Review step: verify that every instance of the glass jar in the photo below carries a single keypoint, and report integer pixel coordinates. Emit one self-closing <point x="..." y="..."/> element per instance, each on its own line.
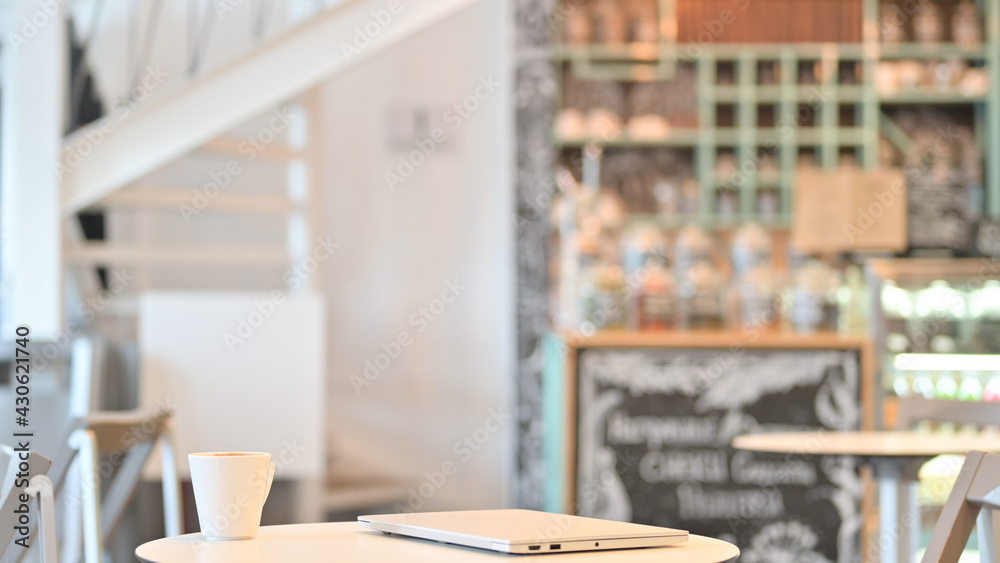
<point x="991" y="392"/>
<point x="940" y="311"/>
<point x="693" y="246"/>
<point x="702" y="299"/>
<point x="971" y="388"/>
<point x="751" y="247"/>
<point x="654" y="300"/>
<point x="985" y="315"/>
<point x="946" y="386"/>
<point x="757" y="291"/>
<point x="644" y="245"/>
<point x="853" y="299"/>
<point x="897" y="310"/>
<point x="603" y="298"/>
<point x="900" y="383"/>
<point x="814" y="298"/>
<point x="690" y="192"/>
<point x="923" y="385"/>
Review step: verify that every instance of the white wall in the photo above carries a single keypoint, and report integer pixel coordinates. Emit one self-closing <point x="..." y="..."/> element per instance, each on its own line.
<point x="451" y="219"/>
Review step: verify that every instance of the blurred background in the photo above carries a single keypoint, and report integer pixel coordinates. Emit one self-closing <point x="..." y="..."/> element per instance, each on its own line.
<point x="378" y="238"/>
<point x="170" y="165"/>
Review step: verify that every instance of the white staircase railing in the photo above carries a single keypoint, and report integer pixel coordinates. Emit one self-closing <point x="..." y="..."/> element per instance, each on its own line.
<point x="137" y="138"/>
<point x="221" y="99"/>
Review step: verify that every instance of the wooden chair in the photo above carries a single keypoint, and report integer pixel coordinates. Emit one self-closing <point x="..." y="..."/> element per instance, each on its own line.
<point x="901" y="496"/>
<point x="975" y="496"/>
<point x="128" y="437"/>
<point x="39" y="488"/>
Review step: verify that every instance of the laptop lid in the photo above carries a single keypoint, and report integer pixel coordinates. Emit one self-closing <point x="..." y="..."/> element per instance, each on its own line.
<point x="523" y="531"/>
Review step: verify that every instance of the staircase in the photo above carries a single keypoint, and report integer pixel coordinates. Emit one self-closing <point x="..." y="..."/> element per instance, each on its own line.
<point x="112" y="164"/>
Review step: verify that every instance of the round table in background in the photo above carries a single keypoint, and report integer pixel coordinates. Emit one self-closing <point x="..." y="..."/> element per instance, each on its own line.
<point x="347" y="542"/>
<point x="895" y="458"/>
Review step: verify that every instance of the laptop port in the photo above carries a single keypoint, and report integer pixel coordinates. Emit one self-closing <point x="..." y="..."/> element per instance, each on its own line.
<point x="556" y="546"/>
<point x="534" y="547"/>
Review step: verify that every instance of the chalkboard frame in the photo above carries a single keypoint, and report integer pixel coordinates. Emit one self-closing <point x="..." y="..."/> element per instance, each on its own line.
<point x="749" y="339"/>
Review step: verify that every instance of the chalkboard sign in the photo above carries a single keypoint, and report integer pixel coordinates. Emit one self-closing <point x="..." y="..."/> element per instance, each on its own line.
<point x="653" y="433"/>
<point x="938" y="215"/>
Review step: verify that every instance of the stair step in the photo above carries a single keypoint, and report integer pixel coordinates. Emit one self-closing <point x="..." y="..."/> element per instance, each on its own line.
<point x="244" y="149"/>
<point x="97" y="163"/>
<point x="157" y="254"/>
<point x="174" y="198"/>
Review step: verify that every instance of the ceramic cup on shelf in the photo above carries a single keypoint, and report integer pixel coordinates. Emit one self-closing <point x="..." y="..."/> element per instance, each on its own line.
<point x="927" y="24"/>
<point x="230" y="489"/>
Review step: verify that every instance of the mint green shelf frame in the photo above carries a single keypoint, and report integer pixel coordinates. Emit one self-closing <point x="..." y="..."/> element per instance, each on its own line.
<point x="991" y="113"/>
<point x="707" y="147"/>
<point x="746" y="123"/>
<point x="790" y="99"/>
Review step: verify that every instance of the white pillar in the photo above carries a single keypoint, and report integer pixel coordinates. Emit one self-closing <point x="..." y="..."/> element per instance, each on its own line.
<point x="31" y="131"/>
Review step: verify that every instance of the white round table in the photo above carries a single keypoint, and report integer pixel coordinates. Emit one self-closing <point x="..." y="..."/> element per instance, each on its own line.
<point x="895" y="458"/>
<point x="874" y="444"/>
<point x="347" y="542"/>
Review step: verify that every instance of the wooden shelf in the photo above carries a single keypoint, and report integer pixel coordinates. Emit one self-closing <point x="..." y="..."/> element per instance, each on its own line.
<point x="713" y="339"/>
<point x="677" y="138"/>
<point x="905" y="271"/>
<point x="928" y="96"/>
<point x="723" y="137"/>
<point x="804" y="93"/>
<point x="781" y="224"/>
<point x="646" y="52"/>
<point x="930" y="51"/>
<point x="815" y="129"/>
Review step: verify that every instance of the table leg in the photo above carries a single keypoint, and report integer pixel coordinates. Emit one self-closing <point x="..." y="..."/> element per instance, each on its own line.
<point x="899" y="513"/>
<point x="310" y="497"/>
<point x="888" y="507"/>
<point x="909" y="519"/>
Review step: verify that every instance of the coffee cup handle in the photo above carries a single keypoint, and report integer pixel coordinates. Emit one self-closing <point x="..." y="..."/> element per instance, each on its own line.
<point x="270" y="479"/>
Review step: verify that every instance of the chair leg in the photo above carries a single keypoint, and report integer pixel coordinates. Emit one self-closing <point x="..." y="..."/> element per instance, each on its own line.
<point x="71" y="532"/>
<point x="41" y="488"/>
<point x="172" y="513"/>
<point x="987" y="529"/>
<point x="85" y="442"/>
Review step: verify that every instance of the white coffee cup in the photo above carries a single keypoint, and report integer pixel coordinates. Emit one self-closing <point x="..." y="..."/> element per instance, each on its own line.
<point x="229" y="490"/>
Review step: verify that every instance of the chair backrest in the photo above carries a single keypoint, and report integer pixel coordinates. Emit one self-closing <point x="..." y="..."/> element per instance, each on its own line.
<point x="132" y="434"/>
<point x="115" y="431"/>
<point x="15" y="479"/>
<point x="975" y="495"/>
<point x="914" y="409"/>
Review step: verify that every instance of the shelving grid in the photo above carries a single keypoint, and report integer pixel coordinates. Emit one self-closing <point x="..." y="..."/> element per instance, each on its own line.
<point x="791" y="101"/>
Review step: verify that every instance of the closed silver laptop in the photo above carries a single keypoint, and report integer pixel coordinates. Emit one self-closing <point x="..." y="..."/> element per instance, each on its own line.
<point x="523" y="531"/>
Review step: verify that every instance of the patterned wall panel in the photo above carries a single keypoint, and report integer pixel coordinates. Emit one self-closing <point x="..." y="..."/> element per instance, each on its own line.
<point x="535" y="90"/>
